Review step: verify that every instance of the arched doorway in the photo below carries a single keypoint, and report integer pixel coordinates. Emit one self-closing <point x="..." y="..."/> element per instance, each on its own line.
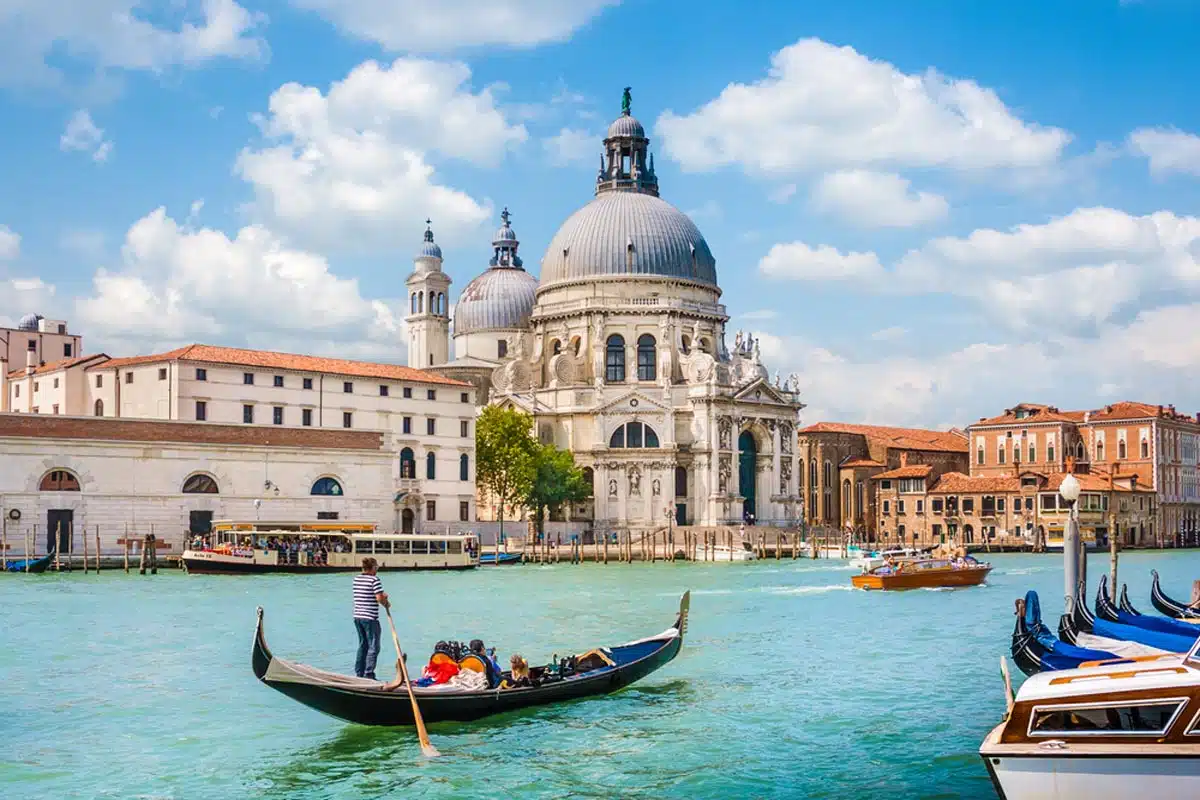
<point x="406" y="521"/>
<point x="747" y="460"/>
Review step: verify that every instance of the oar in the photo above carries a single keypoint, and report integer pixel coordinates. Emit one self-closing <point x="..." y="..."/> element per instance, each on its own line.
<point x="427" y="748"/>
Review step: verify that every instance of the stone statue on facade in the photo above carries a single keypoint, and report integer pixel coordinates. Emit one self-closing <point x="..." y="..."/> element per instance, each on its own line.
<point x="737" y="342"/>
<point x="612" y="487"/>
<point x="635" y="481"/>
<point x="778" y="385"/>
<point x="656" y="488"/>
<point x="724" y="471"/>
<point x="785" y="475"/>
<point x="785" y="437"/>
<point x="793" y="382"/>
<point x="626" y="100"/>
<point x="724" y="429"/>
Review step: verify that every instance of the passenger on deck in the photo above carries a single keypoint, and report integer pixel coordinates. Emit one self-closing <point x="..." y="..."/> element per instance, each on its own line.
<point x="520" y="674"/>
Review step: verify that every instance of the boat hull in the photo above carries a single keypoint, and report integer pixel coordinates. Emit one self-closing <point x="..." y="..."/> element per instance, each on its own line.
<point x="212" y="563"/>
<point x="931" y="579"/>
<point x="1070" y="776"/>
<point x="723" y="553"/>
<point x="32" y="565"/>
<point x="492" y="559"/>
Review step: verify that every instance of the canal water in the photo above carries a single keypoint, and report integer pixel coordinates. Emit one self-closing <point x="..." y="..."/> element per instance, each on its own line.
<point x="790" y="684"/>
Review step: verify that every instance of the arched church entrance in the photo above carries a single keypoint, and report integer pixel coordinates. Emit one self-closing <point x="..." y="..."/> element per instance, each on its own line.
<point x="406" y="520"/>
<point x="747" y="465"/>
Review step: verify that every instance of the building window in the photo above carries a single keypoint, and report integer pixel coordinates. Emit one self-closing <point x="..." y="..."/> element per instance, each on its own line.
<point x="464" y="428"/>
<point x="900" y="531"/>
<point x="899" y="506"/>
<point x="681" y="481"/>
<point x="59" y="480"/>
<point x="1121" y="449"/>
<point x="129" y="377"/>
<point x="430" y="510"/>
<point x="201" y="374"/>
<point x="54" y="408"/>
<point x="202" y="411"/>
<point x="347" y="387"/>
<point x="646" y="358"/>
<point x="1001" y="454"/>
<point x="99" y="381"/>
<point x="406" y="425"/>
<point x="347" y="419"/>
<point x="1100" y="450"/>
<point x="968" y="505"/>
<point x="1032" y="452"/>
<point x="248" y="414"/>
<point x="408" y="392"/>
<point x="327" y="487"/>
<point x="920" y="506"/>
<point x="633" y="434"/>
<point x="278" y="381"/>
<point x="464" y="511"/>
<point x="35" y="385"/>
<point x="464" y="468"/>
<point x="327" y="514"/>
<point x="502" y="348"/>
<point x="1145" y="448"/>
<point x="200" y="484"/>
<point x="614" y="371"/>
<point x="936" y="504"/>
<point x="67" y="350"/>
<point x="465" y="397"/>
<point x="277" y="415"/>
<point x="431" y="465"/>
<point x="383" y="390"/>
<point x="431" y="426"/>
<point x="887" y="507"/>
<point x="999" y="503"/>
<point x="248" y="378"/>
<point x="98" y="408"/>
<point x="306" y="417"/>
<point x="162" y="373"/>
<point x="408" y="463"/>
<point x="431" y="394"/>
<point x="979" y="458"/>
<point x="307" y="384"/>
<point x="882" y="484"/>
<point x="1050" y="452"/>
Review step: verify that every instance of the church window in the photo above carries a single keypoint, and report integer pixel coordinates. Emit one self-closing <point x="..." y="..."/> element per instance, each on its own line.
<point x="414" y="303"/>
<point x="408" y="463"/>
<point x="681" y="481"/>
<point x="502" y="348"/>
<point x="646" y="356"/>
<point x="634" y="434"/>
<point x="556" y="347"/>
<point x="441" y="302"/>
<point x="431" y="465"/>
<point x="615" y="359"/>
<point x="327" y="487"/>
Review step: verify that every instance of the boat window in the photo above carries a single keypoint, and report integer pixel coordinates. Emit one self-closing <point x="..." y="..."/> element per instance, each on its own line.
<point x="362" y="546"/>
<point x="401" y="548"/>
<point x="420" y="547"/>
<point x="437" y="547"/>
<point x="1143" y="719"/>
<point x="454" y="548"/>
<point x="383" y="547"/>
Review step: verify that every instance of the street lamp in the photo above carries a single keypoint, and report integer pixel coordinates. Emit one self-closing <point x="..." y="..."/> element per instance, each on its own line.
<point x="1069" y="489"/>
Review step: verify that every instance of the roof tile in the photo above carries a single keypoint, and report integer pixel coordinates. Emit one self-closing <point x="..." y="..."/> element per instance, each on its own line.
<point x="910" y="471"/>
<point x="55" y="366"/>
<point x="899" y="438"/>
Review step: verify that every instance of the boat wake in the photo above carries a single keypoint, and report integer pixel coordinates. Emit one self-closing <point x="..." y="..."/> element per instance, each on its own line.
<point x="837" y="587"/>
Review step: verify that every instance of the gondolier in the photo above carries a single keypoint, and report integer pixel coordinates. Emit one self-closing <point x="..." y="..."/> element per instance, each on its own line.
<point x="368" y="597"/>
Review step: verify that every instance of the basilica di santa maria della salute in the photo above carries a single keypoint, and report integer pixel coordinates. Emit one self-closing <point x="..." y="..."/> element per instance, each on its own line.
<point x="618" y="351"/>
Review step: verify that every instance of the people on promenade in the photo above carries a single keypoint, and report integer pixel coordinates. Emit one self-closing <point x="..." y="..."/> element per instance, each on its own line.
<point x="368" y="597"/>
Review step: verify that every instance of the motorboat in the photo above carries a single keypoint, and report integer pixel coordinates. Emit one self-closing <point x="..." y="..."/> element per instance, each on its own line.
<point x="924" y="573"/>
<point x="739" y="550"/>
<point x="877" y="558"/>
<point x="1107" y="730"/>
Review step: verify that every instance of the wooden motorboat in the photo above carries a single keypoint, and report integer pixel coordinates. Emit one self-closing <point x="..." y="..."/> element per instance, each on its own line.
<point x="366" y="702"/>
<point x="34" y="565"/>
<point x="927" y="573"/>
<point x="1107" y="730"/>
<point x="1167" y="606"/>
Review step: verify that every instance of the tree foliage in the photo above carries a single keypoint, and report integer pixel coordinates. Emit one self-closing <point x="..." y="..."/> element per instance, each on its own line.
<point x="505" y="455"/>
<point x="556" y="481"/>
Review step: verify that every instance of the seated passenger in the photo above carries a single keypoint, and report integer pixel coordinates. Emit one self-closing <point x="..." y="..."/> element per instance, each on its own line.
<point x="520" y="677"/>
<point x="441" y="667"/>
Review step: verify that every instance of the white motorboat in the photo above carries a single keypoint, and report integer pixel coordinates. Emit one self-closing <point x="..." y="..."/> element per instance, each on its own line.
<point x="1128" y="727"/>
<point x="870" y="560"/>
<point x="739" y="551"/>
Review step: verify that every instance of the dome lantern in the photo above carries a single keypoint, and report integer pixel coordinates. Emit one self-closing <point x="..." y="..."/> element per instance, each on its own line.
<point x="624" y="165"/>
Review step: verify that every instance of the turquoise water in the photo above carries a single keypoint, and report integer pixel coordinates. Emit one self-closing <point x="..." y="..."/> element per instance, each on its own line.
<point x="789" y="684"/>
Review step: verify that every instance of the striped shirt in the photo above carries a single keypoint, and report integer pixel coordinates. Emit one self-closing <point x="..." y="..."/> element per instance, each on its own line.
<point x="365" y="588"/>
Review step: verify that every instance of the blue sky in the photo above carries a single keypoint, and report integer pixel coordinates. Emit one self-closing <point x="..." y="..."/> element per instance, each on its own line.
<point x="929" y="211"/>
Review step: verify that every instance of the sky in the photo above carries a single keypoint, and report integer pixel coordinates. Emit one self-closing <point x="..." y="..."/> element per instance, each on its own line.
<point x="928" y="211"/>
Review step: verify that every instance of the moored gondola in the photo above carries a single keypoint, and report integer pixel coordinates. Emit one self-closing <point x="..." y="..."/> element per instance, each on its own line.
<point x="1078" y="621"/>
<point x="1174" y="627"/>
<point x="1105" y="608"/>
<point x="366" y="702"/>
<point x="1167" y="606"/>
<point x="1125" y="605"/>
<point x="34" y="565"/>
<point x="1035" y="648"/>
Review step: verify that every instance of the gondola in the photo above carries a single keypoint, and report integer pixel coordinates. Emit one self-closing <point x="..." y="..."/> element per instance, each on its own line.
<point x="1106" y="609"/>
<point x="1124" y="603"/>
<point x="35" y="564"/>
<point x="499" y="559"/>
<point x="1035" y="649"/>
<point x="1167" y="606"/>
<point x="1078" y="621"/>
<point x="365" y="702"/>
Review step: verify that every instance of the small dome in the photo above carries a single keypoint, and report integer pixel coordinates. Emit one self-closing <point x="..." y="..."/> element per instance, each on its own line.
<point x="505" y="234"/>
<point x="499" y="299"/>
<point x="29" y="322"/>
<point x="429" y="248"/>
<point x="626" y="125"/>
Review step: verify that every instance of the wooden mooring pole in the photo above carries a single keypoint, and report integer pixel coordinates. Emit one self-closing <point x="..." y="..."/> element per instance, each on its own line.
<point x="126" y="540"/>
<point x="97" y="549"/>
<point x="57" y="546"/>
<point x="85" y="551"/>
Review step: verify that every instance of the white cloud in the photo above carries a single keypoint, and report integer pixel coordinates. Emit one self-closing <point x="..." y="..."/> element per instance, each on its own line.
<point x="353" y="167"/>
<point x="414" y="26"/>
<point x="120" y="34"/>
<point x="876" y="200"/>
<point x="83" y="135"/>
<point x="176" y="284"/>
<point x="20" y="296"/>
<point x="823" y="107"/>
<point x="889" y="334"/>
<point x="1168" y="150"/>
<point x="86" y="244"/>
<point x="572" y="146"/>
<point x="782" y="194"/>
<point x="798" y="261"/>
<point x="10" y="243"/>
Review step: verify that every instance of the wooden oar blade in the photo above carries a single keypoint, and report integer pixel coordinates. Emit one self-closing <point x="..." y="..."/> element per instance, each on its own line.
<point x="429" y="751"/>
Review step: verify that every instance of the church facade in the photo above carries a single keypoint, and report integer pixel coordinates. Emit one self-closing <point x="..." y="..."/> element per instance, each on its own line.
<point x="619" y="352"/>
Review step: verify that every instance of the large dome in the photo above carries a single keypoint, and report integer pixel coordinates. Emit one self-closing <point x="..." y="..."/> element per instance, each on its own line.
<point x="628" y="233"/>
<point x="499" y="299"/>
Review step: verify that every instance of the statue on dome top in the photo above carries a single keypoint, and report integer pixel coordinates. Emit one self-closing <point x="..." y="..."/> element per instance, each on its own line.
<point x="626" y="101"/>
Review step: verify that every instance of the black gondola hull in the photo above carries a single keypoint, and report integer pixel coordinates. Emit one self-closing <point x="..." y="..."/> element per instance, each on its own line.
<point x="1167" y="606"/>
<point x="373" y="706"/>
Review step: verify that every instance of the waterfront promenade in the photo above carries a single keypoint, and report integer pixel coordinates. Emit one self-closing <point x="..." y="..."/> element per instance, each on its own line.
<point x="790" y="684"/>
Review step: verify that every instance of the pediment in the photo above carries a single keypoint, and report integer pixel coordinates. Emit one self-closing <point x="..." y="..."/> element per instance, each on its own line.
<point x="761" y="391"/>
<point x="633" y="402"/>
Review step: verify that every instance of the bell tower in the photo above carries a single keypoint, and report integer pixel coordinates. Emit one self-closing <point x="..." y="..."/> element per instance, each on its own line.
<point x="428" y="317"/>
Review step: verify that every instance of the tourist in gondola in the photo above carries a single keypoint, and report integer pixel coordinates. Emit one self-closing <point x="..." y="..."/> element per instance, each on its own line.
<point x="368" y="597"/>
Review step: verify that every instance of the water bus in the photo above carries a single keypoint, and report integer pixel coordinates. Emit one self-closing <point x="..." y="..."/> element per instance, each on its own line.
<point x="302" y="547"/>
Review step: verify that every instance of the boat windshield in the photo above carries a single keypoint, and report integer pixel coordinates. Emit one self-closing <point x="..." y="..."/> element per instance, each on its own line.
<point x="1192" y="659"/>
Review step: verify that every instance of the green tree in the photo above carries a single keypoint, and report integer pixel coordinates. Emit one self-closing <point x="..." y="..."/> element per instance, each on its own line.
<point x="556" y="481"/>
<point x="505" y="456"/>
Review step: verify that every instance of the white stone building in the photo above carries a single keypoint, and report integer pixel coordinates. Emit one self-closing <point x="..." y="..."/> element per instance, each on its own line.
<point x="35" y="341"/>
<point x="619" y="352"/>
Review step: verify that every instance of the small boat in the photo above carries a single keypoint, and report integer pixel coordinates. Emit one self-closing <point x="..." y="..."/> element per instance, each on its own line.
<point x="1167" y="606"/>
<point x="34" y="564"/>
<point x="1036" y="649"/>
<point x="1106" y="610"/>
<point x="877" y="558"/>
<point x="500" y="559"/>
<point x="1077" y="627"/>
<point x="1107" y="730"/>
<point x="1078" y="620"/>
<point x="927" y="573"/>
<point x="366" y="702"/>
<point x="740" y="550"/>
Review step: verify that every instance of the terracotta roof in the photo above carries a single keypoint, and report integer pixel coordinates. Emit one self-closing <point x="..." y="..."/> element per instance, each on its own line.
<point x="1090" y="482"/>
<point x="1039" y="413"/>
<point x="54" y="366"/>
<point x="267" y="359"/>
<point x="899" y="438"/>
<point x="861" y="462"/>
<point x="910" y="471"/>
<point x="1128" y="409"/>
<point x="958" y="483"/>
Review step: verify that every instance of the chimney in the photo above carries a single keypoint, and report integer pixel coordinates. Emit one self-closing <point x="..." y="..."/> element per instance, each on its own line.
<point x="1160" y="411"/>
<point x="30" y="361"/>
